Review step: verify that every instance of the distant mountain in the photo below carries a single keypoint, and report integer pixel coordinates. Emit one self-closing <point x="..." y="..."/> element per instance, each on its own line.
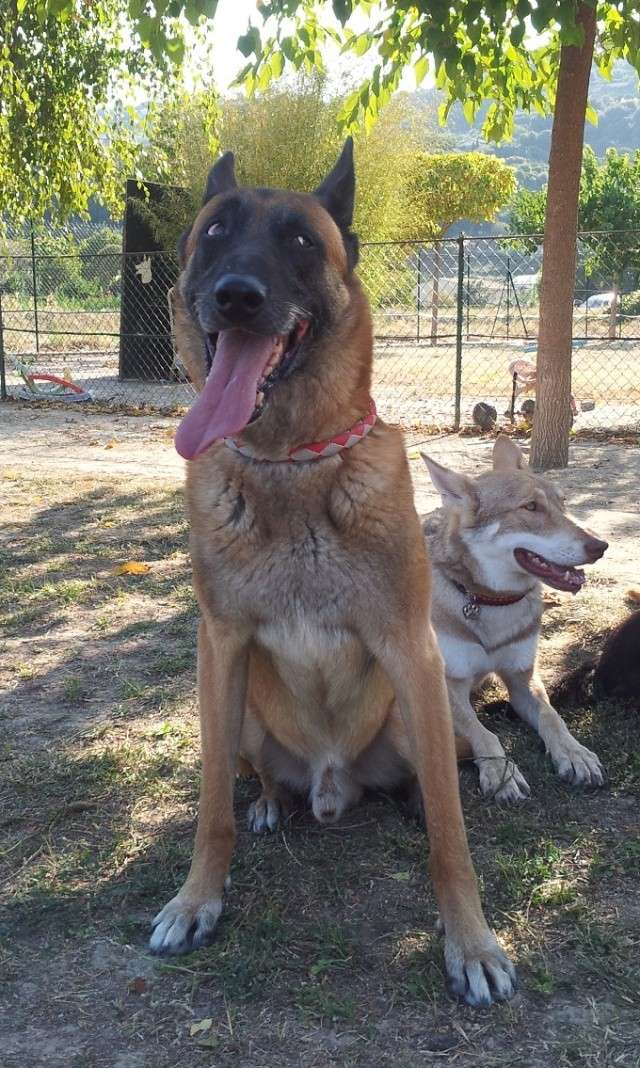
<point x="617" y="103"/>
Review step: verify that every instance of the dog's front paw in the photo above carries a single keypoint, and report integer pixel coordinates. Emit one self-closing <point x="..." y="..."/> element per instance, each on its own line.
<point x="576" y="764"/>
<point x="502" y="780"/>
<point x="183" y="925"/>
<point x="479" y="973"/>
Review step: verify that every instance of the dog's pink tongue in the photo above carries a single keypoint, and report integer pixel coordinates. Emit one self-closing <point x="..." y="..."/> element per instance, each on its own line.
<point x="227" y="401"/>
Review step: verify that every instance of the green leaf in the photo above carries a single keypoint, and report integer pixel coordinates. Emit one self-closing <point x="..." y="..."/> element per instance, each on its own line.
<point x="516" y="36"/>
<point x="193" y="11"/>
<point x="288" y="48"/>
<point x="421" y="68"/>
<point x="249" y="43"/>
<point x="591" y="115"/>
<point x="342" y="10"/>
<point x="469" y="110"/>
<point x="361" y="44"/>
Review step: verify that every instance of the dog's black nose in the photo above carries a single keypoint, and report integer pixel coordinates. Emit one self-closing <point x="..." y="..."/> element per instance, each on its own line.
<point x="595" y="548"/>
<point x="239" y="296"/>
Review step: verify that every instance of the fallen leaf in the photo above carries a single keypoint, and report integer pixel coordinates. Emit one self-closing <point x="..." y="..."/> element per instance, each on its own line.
<point x="110" y="445"/>
<point x="200" y="1026"/>
<point x="138" y="985"/>
<point x="131" y="567"/>
<point x="208" y="1042"/>
<point x="401" y="876"/>
<point x="12" y="475"/>
<point x="414" y="454"/>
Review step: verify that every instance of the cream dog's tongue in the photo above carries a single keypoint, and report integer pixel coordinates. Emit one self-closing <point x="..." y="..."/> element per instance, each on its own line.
<point x="228" y="399"/>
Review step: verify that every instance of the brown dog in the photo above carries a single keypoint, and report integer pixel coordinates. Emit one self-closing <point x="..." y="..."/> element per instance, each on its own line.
<point x="311" y="576"/>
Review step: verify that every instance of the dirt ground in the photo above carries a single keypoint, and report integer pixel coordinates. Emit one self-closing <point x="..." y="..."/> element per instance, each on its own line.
<point x="327" y="953"/>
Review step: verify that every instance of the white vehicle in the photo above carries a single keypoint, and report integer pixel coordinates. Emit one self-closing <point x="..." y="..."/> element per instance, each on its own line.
<point x="597" y="302"/>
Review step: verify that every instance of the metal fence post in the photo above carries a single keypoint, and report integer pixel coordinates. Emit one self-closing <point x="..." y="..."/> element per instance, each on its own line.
<point x="459" y="326"/>
<point x="508" y="293"/>
<point x="468" y="302"/>
<point x="419" y="301"/>
<point x="3" y="379"/>
<point x="35" y="288"/>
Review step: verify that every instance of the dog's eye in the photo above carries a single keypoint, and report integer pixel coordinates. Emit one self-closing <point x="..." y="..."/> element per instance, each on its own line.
<point x="531" y="506"/>
<point x="303" y="241"/>
<point x="216" y="229"/>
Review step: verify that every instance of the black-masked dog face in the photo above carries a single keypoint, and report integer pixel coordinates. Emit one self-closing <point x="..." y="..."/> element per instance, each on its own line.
<point x="266" y="275"/>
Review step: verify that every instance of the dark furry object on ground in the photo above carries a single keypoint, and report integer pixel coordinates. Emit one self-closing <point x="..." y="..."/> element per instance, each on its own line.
<point x="616" y="673"/>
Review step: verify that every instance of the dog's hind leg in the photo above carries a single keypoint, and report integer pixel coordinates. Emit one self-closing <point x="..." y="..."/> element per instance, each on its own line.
<point x="271" y="809"/>
<point x="500" y="778"/>
<point x="190" y="918"/>
<point x="275" y="802"/>
<point x="574" y="762"/>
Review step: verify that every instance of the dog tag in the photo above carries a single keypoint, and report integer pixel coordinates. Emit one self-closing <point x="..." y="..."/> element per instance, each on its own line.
<point x="471" y="609"/>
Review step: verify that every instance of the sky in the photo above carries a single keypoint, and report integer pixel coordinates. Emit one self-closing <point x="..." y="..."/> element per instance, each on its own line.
<point x="231" y="20"/>
<point x="232" y="17"/>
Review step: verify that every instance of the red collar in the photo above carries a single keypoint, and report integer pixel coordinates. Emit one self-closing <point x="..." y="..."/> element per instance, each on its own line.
<point x="474" y="600"/>
<point x="315" y="450"/>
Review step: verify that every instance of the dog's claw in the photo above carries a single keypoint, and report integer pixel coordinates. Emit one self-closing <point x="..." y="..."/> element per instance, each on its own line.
<point x="481" y="977"/>
<point x="182" y="926"/>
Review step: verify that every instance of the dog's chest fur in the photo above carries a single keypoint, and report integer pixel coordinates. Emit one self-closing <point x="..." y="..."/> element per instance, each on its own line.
<point x="300" y="557"/>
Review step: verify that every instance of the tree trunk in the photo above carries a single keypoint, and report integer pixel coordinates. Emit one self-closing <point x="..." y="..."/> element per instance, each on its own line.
<point x="552" y="420"/>
<point x="613" y="310"/>
<point x="435" y="290"/>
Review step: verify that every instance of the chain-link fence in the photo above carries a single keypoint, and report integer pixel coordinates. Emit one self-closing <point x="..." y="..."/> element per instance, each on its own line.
<point x="455" y="324"/>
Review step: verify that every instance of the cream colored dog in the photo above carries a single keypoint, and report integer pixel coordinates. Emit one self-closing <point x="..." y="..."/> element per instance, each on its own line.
<point x="496" y="539"/>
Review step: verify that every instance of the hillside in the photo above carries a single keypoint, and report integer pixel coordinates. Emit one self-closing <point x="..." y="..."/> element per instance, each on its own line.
<point x="617" y="103"/>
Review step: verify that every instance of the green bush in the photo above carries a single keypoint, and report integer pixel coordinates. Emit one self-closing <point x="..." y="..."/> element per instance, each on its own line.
<point x="16" y="277"/>
<point x="630" y="303"/>
<point x="387" y="285"/>
<point x="69" y="269"/>
<point x="100" y="258"/>
<point x="57" y="265"/>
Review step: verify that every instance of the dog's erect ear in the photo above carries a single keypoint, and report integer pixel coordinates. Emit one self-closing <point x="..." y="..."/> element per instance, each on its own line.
<point x="338" y="191"/>
<point x="455" y="489"/>
<point x="222" y="177"/>
<point x="507" y="454"/>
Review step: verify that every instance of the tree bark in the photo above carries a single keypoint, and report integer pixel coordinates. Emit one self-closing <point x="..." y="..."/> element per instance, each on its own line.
<point x="552" y="420"/>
